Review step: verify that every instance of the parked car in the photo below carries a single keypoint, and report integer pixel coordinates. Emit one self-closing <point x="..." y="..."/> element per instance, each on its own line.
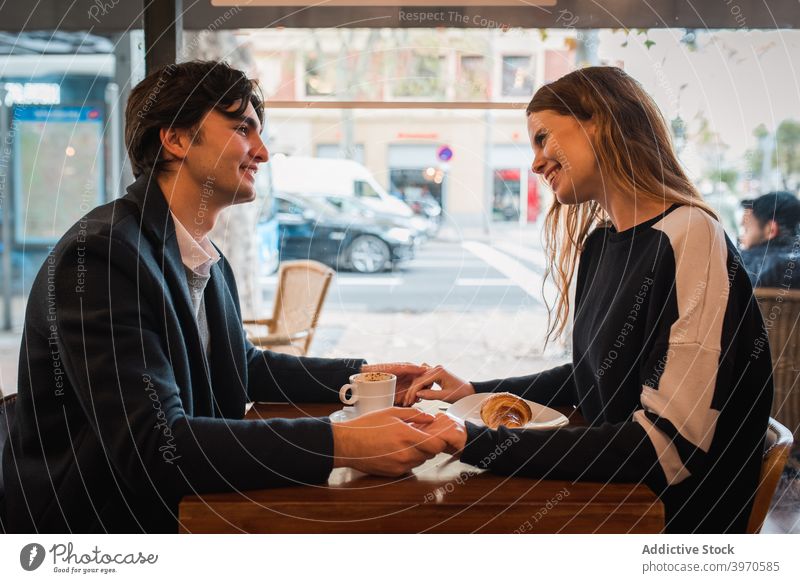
<point x="312" y="228"/>
<point x="419" y="226"/>
<point x="424" y="206"/>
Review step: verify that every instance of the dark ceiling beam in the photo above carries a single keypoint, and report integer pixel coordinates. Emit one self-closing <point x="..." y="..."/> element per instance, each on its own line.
<point x="163" y="29"/>
<point x="105" y="17"/>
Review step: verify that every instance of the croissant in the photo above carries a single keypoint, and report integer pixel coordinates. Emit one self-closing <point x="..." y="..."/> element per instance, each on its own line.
<point x="505" y="409"/>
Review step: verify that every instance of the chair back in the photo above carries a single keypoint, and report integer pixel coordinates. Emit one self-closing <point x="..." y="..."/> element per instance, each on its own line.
<point x="302" y="288"/>
<point x="780" y="309"/>
<point x="7" y="407"/>
<point x="777" y="445"/>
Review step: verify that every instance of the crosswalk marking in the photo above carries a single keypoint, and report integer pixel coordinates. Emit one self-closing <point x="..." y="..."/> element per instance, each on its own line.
<point x="526" y="253"/>
<point x="485" y="282"/>
<point x="437" y="263"/>
<point x="529" y="281"/>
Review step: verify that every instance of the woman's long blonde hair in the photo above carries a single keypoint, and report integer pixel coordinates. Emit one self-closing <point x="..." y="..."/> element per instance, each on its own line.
<point x="633" y="149"/>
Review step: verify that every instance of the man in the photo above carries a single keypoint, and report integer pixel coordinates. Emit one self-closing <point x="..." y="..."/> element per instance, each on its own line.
<point x="134" y="367"/>
<point x="770" y="240"/>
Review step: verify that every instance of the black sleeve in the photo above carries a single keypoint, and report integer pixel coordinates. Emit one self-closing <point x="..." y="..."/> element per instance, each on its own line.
<point x="618" y="452"/>
<point x="277" y="377"/>
<point x="554" y="387"/>
<point x="119" y="363"/>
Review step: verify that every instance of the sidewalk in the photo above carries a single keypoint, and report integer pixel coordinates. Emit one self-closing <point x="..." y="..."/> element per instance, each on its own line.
<point x="482" y="346"/>
<point x="529" y="234"/>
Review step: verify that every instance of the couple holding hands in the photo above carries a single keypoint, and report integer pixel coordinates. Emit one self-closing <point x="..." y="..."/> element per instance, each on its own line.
<point x="663" y="332"/>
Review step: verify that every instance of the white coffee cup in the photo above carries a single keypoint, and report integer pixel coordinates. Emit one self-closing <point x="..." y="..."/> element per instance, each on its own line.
<point x="370" y="391"/>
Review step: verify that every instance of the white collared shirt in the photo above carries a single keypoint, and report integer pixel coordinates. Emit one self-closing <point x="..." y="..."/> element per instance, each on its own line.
<point x="198" y="257"/>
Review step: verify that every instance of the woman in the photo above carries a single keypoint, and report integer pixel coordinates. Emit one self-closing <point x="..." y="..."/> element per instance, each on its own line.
<point x="670" y="365"/>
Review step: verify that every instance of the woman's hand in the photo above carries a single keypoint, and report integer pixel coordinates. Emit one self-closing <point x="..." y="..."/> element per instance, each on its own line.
<point x="452" y="431"/>
<point x="452" y="387"/>
<point x="406" y="373"/>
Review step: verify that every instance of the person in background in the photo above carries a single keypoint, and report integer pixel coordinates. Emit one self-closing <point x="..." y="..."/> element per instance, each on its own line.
<point x="770" y="240"/>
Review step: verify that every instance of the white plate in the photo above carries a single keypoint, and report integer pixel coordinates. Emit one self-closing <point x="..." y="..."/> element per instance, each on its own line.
<point x="343" y="414"/>
<point x="469" y="409"/>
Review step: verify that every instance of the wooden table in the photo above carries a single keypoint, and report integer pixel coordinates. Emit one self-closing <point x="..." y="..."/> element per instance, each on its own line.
<point x="442" y="495"/>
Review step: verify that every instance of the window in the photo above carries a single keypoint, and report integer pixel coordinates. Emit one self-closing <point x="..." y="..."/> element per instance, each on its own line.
<point x="364" y="189"/>
<point x="505" y="197"/>
<point x="287" y="207"/>
<point x="472" y="78"/>
<point x="518" y="76"/>
<point x="419" y="75"/>
<point x="320" y="75"/>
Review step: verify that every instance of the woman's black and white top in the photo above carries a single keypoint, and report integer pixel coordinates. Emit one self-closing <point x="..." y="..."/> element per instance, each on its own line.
<point x="671" y="369"/>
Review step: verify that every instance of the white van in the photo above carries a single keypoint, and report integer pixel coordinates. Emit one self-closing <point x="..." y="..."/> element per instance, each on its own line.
<point x="305" y="175"/>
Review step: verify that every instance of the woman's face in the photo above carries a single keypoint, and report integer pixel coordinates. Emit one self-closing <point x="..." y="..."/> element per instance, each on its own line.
<point x="564" y="156"/>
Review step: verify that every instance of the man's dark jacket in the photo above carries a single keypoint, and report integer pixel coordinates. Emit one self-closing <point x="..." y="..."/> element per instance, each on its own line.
<point x="120" y="413"/>
<point x="774" y="263"/>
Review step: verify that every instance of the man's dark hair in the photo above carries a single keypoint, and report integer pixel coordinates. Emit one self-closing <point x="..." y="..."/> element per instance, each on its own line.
<point x="780" y="206"/>
<point x="178" y="96"/>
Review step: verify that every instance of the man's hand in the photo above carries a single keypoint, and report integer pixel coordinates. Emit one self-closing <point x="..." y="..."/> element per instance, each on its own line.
<point x="384" y="442"/>
<point x="405" y="372"/>
<point x="453" y="388"/>
<point x="452" y="431"/>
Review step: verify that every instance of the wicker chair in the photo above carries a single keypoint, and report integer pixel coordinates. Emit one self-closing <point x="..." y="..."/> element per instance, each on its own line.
<point x="302" y="287"/>
<point x="776" y="451"/>
<point x="781" y="311"/>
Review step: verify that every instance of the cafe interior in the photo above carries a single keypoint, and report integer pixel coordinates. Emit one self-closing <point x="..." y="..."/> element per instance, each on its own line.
<point x="443" y="494"/>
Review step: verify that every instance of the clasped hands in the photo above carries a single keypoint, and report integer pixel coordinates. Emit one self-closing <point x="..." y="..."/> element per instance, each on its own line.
<point x="392" y="441"/>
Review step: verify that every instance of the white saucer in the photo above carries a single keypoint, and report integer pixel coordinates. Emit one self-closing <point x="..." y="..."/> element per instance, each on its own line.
<point x="344" y="414"/>
<point x="469" y="409"/>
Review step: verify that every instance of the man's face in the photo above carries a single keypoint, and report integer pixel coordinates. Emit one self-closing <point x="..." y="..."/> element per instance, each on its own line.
<point x="753" y="232"/>
<point x="224" y="157"/>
